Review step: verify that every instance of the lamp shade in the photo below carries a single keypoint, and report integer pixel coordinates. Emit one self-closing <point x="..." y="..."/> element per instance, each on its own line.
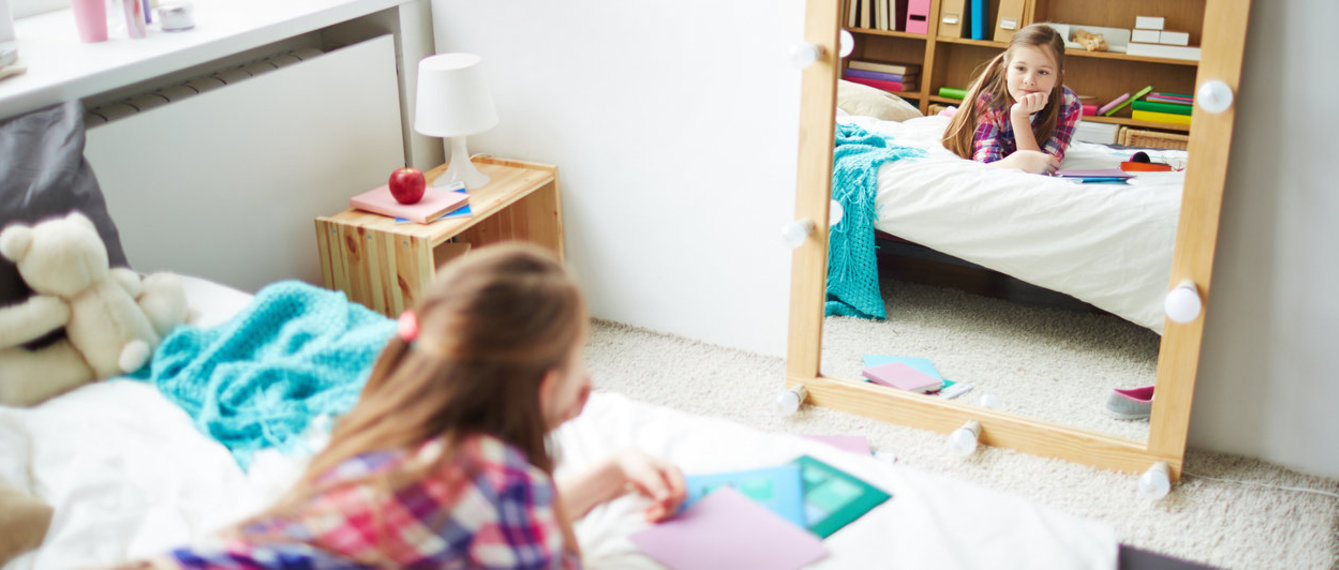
<point x="453" y="100"/>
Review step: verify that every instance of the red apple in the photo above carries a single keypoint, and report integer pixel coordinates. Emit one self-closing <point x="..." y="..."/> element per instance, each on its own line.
<point x="407" y="185"/>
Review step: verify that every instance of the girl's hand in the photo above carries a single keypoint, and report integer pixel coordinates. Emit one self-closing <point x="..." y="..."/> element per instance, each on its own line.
<point x="654" y="479"/>
<point x="1029" y="104"/>
<point x="1033" y="161"/>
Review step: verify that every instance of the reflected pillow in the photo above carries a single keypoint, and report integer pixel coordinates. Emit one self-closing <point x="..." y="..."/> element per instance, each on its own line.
<point x="858" y="99"/>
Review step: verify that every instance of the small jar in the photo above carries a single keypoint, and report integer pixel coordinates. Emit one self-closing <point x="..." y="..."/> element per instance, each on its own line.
<point x="176" y="16"/>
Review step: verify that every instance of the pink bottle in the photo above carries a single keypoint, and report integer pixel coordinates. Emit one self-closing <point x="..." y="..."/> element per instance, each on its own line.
<point x="90" y="17"/>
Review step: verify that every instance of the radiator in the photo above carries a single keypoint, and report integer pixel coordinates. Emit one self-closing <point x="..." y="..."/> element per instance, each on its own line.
<point x="221" y="176"/>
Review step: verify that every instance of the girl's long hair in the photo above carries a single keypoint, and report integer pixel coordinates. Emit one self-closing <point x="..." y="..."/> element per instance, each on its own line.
<point x="993" y="80"/>
<point x="493" y="324"/>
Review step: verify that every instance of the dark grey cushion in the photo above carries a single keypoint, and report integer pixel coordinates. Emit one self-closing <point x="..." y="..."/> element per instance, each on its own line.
<point x="43" y="174"/>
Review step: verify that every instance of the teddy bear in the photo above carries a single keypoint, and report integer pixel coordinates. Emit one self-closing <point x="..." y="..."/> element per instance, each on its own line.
<point x="113" y="319"/>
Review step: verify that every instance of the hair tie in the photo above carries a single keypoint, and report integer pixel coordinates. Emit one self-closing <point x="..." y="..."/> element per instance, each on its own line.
<point x="408" y="326"/>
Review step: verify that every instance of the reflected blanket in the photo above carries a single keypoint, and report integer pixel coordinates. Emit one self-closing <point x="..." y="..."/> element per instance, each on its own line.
<point x="853" y="273"/>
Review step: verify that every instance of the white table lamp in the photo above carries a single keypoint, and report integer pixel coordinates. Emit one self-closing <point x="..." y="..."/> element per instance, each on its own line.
<point x="453" y="102"/>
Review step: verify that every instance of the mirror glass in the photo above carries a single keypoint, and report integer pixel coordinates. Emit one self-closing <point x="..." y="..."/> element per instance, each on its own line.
<point x="1034" y="295"/>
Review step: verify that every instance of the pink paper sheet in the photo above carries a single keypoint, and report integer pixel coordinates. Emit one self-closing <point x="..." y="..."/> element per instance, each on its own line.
<point x="727" y="530"/>
<point x="852" y="443"/>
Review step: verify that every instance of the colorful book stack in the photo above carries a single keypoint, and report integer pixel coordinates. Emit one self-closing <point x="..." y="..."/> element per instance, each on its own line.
<point x="1120" y="102"/>
<point x="952" y="93"/>
<point x="1089" y="104"/>
<point x="889" y="76"/>
<point x="1167" y="108"/>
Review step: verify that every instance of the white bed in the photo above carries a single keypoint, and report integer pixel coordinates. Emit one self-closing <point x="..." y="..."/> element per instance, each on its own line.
<point x="129" y="476"/>
<point x="1107" y="244"/>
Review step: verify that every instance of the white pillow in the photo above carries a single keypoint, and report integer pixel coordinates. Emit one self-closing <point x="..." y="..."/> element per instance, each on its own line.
<point x="858" y="99"/>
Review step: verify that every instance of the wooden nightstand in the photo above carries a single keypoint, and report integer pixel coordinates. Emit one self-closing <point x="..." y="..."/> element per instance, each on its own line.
<point x="386" y="265"/>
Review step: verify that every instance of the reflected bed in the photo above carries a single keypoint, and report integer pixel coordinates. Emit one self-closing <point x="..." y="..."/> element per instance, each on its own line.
<point x="1109" y="245"/>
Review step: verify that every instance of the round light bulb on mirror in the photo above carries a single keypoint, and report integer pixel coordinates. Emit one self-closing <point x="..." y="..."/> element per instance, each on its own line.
<point x="805" y="54"/>
<point x="787" y="402"/>
<point x="846" y="43"/>
<point x="1183" y="303"/>
<point x="989" y="401"/>
<point x="835" y="213"/>
<point x="1214" y="96"/>
<point x="963" y="441"/>
<point x="1155" y="483"/>
<point x="794" y="233"/>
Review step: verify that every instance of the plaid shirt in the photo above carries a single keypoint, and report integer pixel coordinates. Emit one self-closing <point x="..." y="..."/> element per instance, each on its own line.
<point x="488" y="509"/>
<point x="995" y="133"/>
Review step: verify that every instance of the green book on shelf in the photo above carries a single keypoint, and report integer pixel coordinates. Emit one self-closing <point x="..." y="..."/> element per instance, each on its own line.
<point x="952" y="93"/>
<point x="1137" y="95"/>
<point x="834" y="498"/>
<point x="1157" y="107"/>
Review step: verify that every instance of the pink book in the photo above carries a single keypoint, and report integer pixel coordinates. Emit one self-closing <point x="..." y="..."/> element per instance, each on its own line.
<point x="434" y="203"/>
<point x="899" y="375"/>
<point x="881" y="84"/>
<point x="1090" y="109"/>
<point x="1112" y="105"/>
<point x="727" y="530"/>
<point x="857" y="444"/>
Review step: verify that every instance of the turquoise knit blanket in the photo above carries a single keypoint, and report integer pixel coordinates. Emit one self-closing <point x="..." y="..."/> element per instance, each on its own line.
<point x="853" y="272"/>
<point x="255" y="381"/>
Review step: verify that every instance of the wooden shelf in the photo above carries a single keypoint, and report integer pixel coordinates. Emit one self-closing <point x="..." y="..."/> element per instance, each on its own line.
<point x="1141" y="124"/>
<point x="1090" y="118"/>
<point x="1127" y="57"/>
<point x="917" y="95"/>
<point x="887" y="33"/>
<point x="970" y="42"/>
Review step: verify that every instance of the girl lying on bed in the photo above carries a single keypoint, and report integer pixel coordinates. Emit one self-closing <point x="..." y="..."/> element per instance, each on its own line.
<point x="1023" y="116"/>
<point x="443" y="462"/>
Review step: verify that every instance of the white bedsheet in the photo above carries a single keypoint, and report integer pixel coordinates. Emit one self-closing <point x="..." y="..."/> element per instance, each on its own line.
<point x="1107" y="244"/>
<point x="129" y="476"/>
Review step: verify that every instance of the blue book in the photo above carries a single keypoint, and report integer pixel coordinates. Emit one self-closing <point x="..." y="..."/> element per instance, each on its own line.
<point x="873" y="75"/>
<point x="920" y="364"/>
<point x="978" y="19"/>
<point x="779" y="489"/>
<point x="834" y="498"/>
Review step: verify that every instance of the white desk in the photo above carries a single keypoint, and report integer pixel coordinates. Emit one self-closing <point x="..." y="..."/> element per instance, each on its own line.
<point x="244" y="167"/>
<point x="61" y="68"/>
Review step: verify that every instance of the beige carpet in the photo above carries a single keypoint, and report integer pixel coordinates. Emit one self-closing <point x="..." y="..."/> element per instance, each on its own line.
<point x="1223" y="524"/>
<point x="1044" y="363"/>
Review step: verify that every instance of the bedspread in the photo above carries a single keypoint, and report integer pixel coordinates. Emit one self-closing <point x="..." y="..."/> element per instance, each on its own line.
<point x="1109" y="245"/>
<point x="256" y="380"/>
<point x="129" y="477"/>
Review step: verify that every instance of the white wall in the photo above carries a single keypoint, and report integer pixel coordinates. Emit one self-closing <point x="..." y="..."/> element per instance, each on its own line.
<point x="674" y="125"/>
<point x="655" y="113"/>
<point x="1269" y="374"/>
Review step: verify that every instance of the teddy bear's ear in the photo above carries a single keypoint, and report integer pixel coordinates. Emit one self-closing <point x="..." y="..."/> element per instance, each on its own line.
<point x="77" y="216"/>
<point x="14" y="242"/>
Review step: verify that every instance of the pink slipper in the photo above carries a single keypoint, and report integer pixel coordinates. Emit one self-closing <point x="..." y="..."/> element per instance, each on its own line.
<point x="1130" y="403"/>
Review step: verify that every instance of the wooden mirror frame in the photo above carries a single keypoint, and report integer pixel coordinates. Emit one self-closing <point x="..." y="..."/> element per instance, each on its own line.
<point x="1223" y="44"/>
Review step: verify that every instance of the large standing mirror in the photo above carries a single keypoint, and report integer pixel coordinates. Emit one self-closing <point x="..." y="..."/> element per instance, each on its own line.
<point x="1041" y="294"/>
